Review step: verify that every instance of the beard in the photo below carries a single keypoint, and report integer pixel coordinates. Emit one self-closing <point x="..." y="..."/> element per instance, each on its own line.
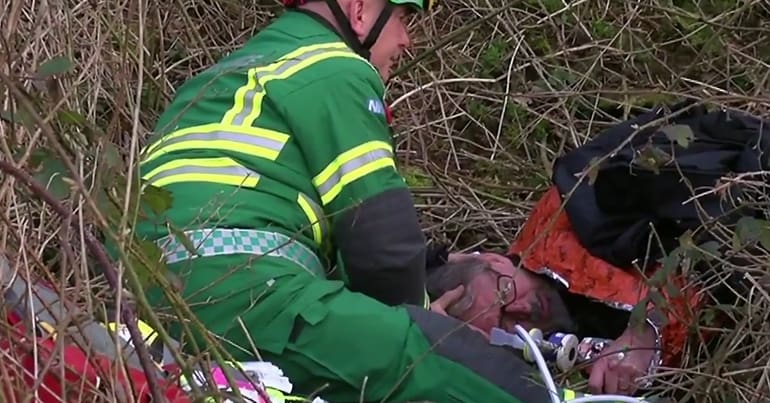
<point x="558" y="319"/>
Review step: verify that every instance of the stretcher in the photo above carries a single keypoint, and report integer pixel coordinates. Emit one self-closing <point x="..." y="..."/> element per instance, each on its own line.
<point x="61" y="354"/>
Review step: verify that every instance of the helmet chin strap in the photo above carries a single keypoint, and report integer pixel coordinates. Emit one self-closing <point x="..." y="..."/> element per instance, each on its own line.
<point x="362" y="48"/>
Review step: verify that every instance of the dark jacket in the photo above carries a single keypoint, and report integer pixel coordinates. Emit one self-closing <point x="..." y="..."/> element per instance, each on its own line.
<point x="613" y="217"/>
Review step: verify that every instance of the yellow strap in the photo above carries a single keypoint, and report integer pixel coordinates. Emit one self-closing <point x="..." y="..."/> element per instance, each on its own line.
<point x="48" y="328"/>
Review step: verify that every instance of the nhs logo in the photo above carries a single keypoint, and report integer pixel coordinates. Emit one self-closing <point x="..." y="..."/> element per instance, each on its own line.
<point x="376" y="106"/>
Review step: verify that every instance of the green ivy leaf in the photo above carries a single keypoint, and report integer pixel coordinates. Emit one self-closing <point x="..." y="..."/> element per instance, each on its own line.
<point x="20" y="117"/>
<point x="638" y="315"/>
<point x="682" y="134"/>
<point x="749" y="230"/>
<point x="51" y="173"/>
<point x="660" y="277"/>
<point x="764" y="239"/>
<point x="673" y="290"/>
<point x="181" y="237"/>
<point x="711" y="249"/>
<point x="72" y="118"/>
<point x="652" y="158"/>
<point x="110" y="156"/>
<point x="148" y="262"/>
<point x="685" y="241"/>
<point x="107" y="207"/>
<point x="671" y="262"/>
<point x="157" y="199"/>
<point x="57" y="65"/>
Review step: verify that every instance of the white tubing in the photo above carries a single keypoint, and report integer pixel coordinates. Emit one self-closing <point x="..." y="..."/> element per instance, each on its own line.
<point x="553" y="392"/>
<point x="605" y="398"/>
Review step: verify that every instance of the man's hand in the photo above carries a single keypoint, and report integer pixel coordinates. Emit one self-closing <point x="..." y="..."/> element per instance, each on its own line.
<point x="440" y="305"/>
<point x="622" y="362"/>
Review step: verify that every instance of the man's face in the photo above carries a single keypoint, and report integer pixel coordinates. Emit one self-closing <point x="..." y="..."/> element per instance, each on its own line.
<point x="505" y="296"/>
<point x="393" y="39"/>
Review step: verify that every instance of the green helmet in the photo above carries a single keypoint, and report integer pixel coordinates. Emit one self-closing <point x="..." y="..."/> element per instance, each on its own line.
<point x="362" y="48"/>
<point x="420" y="5"/>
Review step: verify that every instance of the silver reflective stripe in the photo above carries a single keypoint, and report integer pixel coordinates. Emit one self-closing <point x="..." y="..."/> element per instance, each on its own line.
<point x="248" y="105"/>
<point x="205" y="170"/>
<point x="351" y="165"/>
<point x="257" y="141"/>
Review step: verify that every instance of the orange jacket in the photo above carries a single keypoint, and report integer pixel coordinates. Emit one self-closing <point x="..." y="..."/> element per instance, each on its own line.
<point x="545" y="242"/>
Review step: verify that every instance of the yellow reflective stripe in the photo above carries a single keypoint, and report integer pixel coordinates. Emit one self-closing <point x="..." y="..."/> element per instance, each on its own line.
<point x="148" y="333"/>
<point x="247" y="105"/>
<point x="242" y="94"/>
<point x="48" y="329"/>
<point x="351" y="165"/>
<point x="277" y="396"/>
<point x="220" y="170"/>
<point x="254" y="141"/>
<point x="569" y="395"/>
<point x="314" y="215"/>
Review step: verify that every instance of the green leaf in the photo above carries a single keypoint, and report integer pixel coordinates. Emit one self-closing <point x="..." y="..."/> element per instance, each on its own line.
<point x="749" y="230"/>
<point x="158" y="199"/>
<point x="639" y="313"/>
<point x="147" y="262"/>
<point x="659" y="278"/>
<point x="671" y="263"/>
<point x="685" y="240"/>
<point x="682" y="134"/>
<point x="652" y="158"/>
<point x="20" y="117"/>
<point x="764" y="238"/>
<point x="51" y="173"/>
<point x="658" y="300"/>
<point x="181" y="237"/>
<point x="705" y="252"/>
<point x="673" y="290"/>
<point x="110" y="156"/>
<point x="107" y="207"/>
<point x="711" y="248"/>
<point x="57" y="65"/>
<point x="72" y="118"/>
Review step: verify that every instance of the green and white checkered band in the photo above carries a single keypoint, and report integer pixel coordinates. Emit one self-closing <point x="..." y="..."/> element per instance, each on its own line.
<point x="220" y="241"/>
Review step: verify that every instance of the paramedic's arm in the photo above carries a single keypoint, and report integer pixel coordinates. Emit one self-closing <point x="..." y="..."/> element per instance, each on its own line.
<point x="346" y="143"/>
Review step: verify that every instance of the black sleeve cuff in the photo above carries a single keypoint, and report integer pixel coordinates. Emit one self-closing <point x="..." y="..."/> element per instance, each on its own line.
<point x="383" y="248"/>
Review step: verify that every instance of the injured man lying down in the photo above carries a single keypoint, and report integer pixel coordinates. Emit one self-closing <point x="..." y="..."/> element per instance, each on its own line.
<point x="582" y="264"/>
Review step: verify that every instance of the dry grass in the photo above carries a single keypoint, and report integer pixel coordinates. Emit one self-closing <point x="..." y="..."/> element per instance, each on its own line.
<point x="481" y="116"/>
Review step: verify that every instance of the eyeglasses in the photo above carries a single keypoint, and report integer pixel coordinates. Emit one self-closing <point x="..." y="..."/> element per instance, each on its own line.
<point x="506" y="292"/>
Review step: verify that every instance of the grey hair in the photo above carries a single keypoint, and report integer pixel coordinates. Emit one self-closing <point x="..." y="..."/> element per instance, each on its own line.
<point x="451" y="275"/>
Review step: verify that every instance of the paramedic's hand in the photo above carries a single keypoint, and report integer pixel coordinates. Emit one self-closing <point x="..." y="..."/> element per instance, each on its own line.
<point x="615" y="373"/>
<point x="449" y="297"/>
<point x="440" y="305"/>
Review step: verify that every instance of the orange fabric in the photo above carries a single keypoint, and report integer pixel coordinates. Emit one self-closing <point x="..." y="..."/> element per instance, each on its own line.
<point x="549" y="243"/>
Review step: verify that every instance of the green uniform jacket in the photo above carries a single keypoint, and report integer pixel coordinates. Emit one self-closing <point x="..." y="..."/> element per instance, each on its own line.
<point x="289" y="134"/>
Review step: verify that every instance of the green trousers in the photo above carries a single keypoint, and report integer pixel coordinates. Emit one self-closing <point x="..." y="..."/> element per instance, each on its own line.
<point x="346" y="345"/>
